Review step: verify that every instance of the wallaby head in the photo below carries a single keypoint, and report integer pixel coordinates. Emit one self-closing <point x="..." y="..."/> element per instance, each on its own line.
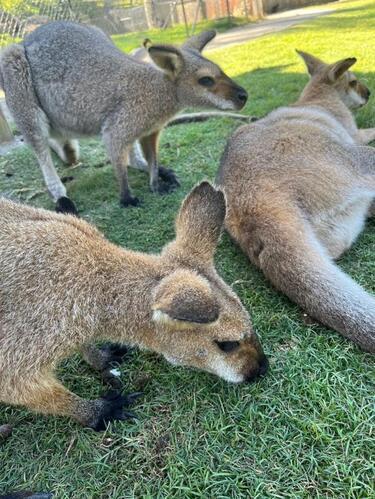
<point x="199" y="321"/>
<point x="352" y="92"/>
<point x="199" y="81"/>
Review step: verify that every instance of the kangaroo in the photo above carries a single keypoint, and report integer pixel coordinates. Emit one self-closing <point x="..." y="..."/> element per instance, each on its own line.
<point x="68" y="80"/>
<point x="299" y="185"/>
<point x="53" y="303"/>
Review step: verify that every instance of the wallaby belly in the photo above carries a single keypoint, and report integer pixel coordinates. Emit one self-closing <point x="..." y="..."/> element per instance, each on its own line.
<point x="337" y="230"/>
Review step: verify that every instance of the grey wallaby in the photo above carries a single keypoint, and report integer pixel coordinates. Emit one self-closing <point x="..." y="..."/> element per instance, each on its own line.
<point x="68" y="80"/>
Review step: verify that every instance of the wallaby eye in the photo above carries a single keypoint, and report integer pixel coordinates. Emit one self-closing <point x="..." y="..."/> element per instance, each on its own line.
<point x="206" y="81"/>
<point x="353" y="83"/>
<point x="228" y="346"/>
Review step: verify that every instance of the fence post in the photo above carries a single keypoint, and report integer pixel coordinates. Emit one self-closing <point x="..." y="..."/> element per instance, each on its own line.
<point x="5" y="132"/>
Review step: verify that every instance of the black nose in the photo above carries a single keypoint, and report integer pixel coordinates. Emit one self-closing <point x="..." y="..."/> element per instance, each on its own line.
<point x="261" y="371"/>
<point x="242" y="95"/>
<point x="263" y="366"/>
<point x="368" y="93"/>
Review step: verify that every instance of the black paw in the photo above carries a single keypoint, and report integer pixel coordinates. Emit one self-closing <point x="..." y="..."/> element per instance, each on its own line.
<point x="113" y="353"/>
<point x="130" y="201"/>
<point x="113" y="406"/>
<point x="65" y="205"/>
<point x="168" y="176"/>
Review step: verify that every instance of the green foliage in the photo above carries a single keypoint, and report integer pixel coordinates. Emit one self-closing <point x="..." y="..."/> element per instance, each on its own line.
<point x="306" y="429"/>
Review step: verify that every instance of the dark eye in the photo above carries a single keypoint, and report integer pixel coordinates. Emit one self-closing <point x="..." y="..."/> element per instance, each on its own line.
<point x="228" y="346"/>
<point x="206" y="81"/>
<point x="353" y="83"/>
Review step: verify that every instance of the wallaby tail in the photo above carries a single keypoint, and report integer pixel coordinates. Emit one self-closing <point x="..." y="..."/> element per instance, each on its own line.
<point x="204" y="116"/>
<point x="290" y="255"/>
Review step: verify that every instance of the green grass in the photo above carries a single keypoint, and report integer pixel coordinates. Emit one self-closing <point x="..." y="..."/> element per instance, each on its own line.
<point x="175" y="35"/>
<point x="307" y="429"/>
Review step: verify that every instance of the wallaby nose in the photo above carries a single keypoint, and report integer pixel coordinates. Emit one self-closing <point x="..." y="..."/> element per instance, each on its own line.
<point x="261" y="371"/>
<point x="242" y="96"/>
<point x="263" y="366"/>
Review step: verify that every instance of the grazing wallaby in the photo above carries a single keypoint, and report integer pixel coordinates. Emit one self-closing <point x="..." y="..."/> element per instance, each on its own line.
<point x="299" y="185"/>
<point x="67" y="80"/>
<point x="55" y="302"/>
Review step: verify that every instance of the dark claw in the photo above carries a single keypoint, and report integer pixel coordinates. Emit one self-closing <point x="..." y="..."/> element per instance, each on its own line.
<point x="132" y="397"/>
<point x="130" y="201"/>
<point x="65" y="205"/>
<point x="113" y="405"/>
<point x="114" y="353"/>
<point x="168" y="176"/>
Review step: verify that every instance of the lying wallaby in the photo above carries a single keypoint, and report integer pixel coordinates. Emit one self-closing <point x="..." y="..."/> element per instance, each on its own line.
<point x="55" y="302"/>
<point x="299" y="184"/>
<point x="66" y="80"/>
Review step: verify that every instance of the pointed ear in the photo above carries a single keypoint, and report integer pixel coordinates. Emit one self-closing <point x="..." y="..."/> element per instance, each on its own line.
<point x="184" y="299"/>
<point x="313" y="64"/>
<point x="198" y="42"/>
<point x="167" y="57"/>
<point x="199" y="223"/>
<point x="339" y="68"/>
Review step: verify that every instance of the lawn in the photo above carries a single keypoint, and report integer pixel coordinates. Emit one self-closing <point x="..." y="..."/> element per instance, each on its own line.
<point x="306" y="429"/>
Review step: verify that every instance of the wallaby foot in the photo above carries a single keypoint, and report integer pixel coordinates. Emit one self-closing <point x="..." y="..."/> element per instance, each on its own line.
<point x="67" y="150"/>
<point x="104" y="358"/>
<point x="112" y="407"/>
<point x="65" y="205"/>
<point x="129" y="200"/>
<point x="168" y="176"/>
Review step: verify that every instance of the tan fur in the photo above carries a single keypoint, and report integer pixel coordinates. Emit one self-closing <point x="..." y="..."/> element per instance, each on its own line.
<point x="64" y="286"/>
<point x="299" y="185"/>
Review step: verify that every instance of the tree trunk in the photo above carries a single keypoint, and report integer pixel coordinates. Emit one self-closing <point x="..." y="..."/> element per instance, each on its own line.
<point x="150" y="13"/>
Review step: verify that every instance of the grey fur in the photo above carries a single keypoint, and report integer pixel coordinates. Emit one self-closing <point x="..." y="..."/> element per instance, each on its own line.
<point x="68" y="80"/>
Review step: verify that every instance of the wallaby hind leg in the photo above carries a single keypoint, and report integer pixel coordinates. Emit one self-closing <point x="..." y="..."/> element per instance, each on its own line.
<point x="30" y="119"/>
<point x="137" y="160"/>
<point x="67" y="150"/>
<point x="150" y="149"/>
<point x="46" y="395"/>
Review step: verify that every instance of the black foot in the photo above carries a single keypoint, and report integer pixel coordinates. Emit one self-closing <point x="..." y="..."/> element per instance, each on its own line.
<point x="130" y="201"/>
<point x="113" y="353"/>
<point x="65" y="205"/>
<point x="113" y="406"/>
<point x="168" y="176"/>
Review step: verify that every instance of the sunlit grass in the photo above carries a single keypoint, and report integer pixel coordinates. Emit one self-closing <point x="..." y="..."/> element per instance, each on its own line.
<point x="305" y="430"/>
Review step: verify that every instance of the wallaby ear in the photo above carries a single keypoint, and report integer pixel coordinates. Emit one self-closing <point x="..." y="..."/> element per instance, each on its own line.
<point x="340" y="67"/>
<point x="199" y="222"/>
<point x="198" y="42"/>
<point x="184" y="299"/>
<point x="313" y="64"/>
<point x="167" y="57"/>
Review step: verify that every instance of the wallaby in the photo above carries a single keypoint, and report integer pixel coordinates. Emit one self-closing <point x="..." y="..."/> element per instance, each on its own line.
<point x="136" y="157"/>
<point x="299" y="185"/>
<point x="55" y="302"/>
<point x="68" y="80"/>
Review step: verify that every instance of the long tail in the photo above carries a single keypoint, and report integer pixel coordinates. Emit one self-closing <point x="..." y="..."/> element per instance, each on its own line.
<point x="204" y="116"/>
<point x="292" y="258"/>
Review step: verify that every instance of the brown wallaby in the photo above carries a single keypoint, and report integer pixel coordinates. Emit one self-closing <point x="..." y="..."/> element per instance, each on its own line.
<point x="299" y="185"/>
<point x="55" y="302"/>
<point x="68" y="80"/>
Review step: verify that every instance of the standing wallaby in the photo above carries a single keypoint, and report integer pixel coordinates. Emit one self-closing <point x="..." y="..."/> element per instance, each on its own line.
<point x="55" y="302"/>
<point x="299" y="185"/>
<point x="68" y="80"/>
<point x="136" y="157"/>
